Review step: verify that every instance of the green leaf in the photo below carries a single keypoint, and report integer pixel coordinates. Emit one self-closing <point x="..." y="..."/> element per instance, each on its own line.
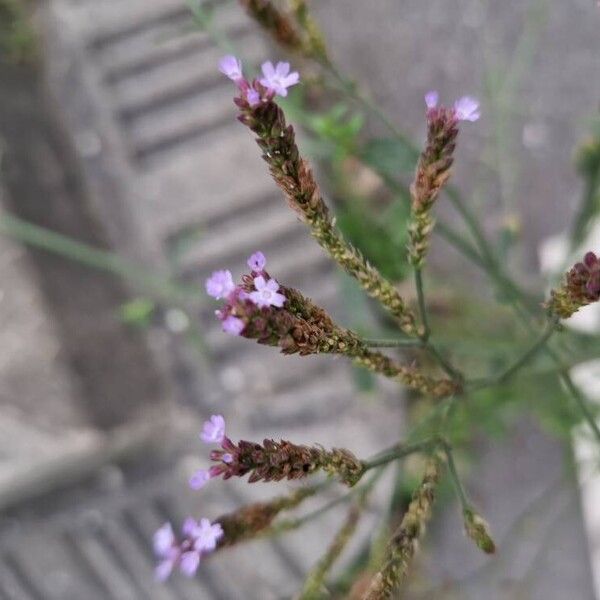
<point x="389" y="157"/>
<point x="137" y="312"/>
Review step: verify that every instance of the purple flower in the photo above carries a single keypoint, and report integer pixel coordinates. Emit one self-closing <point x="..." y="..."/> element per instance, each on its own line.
<point x="252" y="96"/>
<point x="207" y="536"/>
<point x="231" y="67"/>
<point x="266" y="293"/>
<point x="220" y="284"/>
<point x="227" y="458"/>
<point x="189" y="562"/>
<point x="278" y="79"/>
<point x="233" y="325"/>
<point x="164" y="540"/>
<point x="467" y="109"/>
<point x="213" y="430"/>
<point x="431" y="99"/>
<point x="199" y="479"/>
<point x="257" y="261"/>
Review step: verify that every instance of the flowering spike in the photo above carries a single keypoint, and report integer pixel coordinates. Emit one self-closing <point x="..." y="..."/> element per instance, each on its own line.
<point x="274" y="461"/>
<point x="403" y="544"/>
<point x="278" y="79"/>
<point x="213" y="430"/>
<point x="479" y="531"/>
<point x="581" y="287"/>
<point x="220" y="284"/>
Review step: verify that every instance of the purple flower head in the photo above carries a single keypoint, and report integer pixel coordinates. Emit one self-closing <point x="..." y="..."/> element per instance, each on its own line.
<point x="189" y="563"/>
<point x="233" y="325"/>
<point x="266" y="293"/>
<point x="467" y="109"/>
<point x="199" y="479"/>
<point x="231" y="67"/>
<point x="164" y="540"/>
<point x="257" y="261"/>
<point x="220" y="284"/>
<point x="227" y="458"/>
<point x="213" y="430"/>
<point x="431" y="99"/>
<point x="253" y="97"/>
<point x="207" y="536"/>
<point x="278" y="79"/>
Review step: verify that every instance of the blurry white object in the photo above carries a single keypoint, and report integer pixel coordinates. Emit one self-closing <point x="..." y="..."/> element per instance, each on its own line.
<point x="554" y="261"/>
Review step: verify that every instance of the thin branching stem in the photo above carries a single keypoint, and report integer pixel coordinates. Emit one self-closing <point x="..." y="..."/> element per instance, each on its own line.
<point x="522" y="360"/>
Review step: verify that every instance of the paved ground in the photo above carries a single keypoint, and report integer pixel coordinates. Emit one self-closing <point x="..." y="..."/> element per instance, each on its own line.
<point x="163" y="162"/>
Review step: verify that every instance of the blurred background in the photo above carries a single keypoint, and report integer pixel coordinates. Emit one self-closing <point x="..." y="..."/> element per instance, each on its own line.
<point x="126" y="180"/>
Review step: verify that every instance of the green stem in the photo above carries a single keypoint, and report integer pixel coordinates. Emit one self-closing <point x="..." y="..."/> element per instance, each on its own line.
<point x="56" y="243"/>
<point x="581" y="403"/>
<point x="422" y="308"/>
<point x="460" y="490"/>
<point x="377" y="343"/>
<point x="399" y="451"/>
<point x="530" y="353"/>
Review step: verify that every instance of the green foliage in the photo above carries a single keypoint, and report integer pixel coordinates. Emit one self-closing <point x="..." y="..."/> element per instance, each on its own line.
<point x="381" y="237"/>
<point x="138" y="312"/>
<point x="390" y="157"/>
<point x="17" y="38"/>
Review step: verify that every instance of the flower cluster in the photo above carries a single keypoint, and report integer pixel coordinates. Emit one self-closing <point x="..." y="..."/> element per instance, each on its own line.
<point x="581" y="287"/>
<point x="271" y="460"/>
<point x="199" y="538"/>
<point x="464" y="109"/>
<point x="276" y="80"/>
<point x="295" y="178"/>
<point x="261" y="309"/>
<point x="433" y="169"/>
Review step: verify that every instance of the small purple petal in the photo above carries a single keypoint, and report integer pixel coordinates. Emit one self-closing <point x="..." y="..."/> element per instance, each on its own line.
<point x="257" y="261"/>
<point x="431" y="99"/>
<point x="199" y="479"/>
<point x="268" y="69"/>
<point x="259" y="283"/>
<point x="220" y="284"/>
<point x="227" y="458"/>
<point x="278" y="300"/>
<point x="213" y="430"/>
<point x="233" y="326"/>
<point x="467" y="109"/>
<point x="253" y="97"/>
<point x="231" y="67"/>
<point x="189" y="563"/>
<point x="163" y="540"/>
<point x="164" y="569"/>
<point x="272" y="285"/>
<point x="189" y="527"/>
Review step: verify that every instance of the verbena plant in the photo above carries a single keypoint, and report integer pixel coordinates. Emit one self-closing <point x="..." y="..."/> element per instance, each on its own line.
<point x="264" y="309"/>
